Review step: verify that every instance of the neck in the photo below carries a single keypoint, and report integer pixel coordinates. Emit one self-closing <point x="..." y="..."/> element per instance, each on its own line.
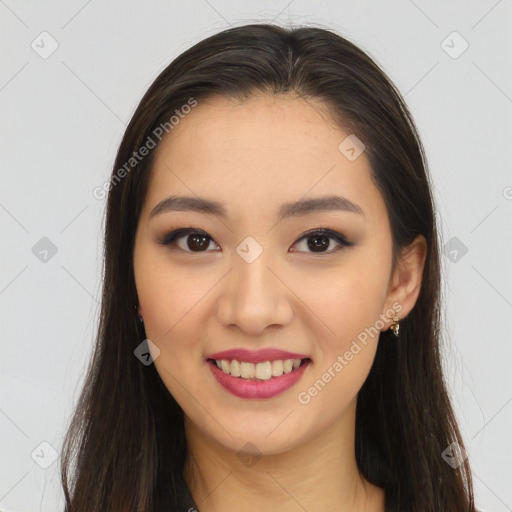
<point x="318" y="474"/>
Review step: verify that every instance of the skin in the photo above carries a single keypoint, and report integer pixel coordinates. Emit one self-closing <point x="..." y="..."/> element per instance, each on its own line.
<point x="254" y="156"/>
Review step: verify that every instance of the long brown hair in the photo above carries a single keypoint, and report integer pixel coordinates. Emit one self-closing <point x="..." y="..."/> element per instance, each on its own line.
<point x="126" y="439"/>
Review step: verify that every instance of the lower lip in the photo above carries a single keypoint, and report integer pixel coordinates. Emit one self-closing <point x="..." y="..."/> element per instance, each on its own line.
<point x="257" y="389"/>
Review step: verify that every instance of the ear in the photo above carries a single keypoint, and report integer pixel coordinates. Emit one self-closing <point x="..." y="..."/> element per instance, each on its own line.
<point x="405" y="283"/>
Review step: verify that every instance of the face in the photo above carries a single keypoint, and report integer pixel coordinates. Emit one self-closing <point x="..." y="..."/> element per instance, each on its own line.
<point x="251" y="278"/>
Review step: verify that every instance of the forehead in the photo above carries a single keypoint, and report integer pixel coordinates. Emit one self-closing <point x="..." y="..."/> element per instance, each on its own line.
<point x="254" y="126"/>
<point x="265" y="149"/>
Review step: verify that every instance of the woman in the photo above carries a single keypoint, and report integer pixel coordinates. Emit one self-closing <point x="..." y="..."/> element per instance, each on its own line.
<point x="270" y="324"/>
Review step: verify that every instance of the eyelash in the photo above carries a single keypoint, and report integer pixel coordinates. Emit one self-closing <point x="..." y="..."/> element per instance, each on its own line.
<point x="171" y="237"/>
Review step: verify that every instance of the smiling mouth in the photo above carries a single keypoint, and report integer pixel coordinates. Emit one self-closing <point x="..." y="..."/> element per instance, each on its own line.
<point x="258" y="372"/>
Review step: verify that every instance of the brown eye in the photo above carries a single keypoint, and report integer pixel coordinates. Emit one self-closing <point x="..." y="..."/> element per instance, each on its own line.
<point x="196" y="242"/>
<point x="319" y="240"/>
<point x="188" y="240"/>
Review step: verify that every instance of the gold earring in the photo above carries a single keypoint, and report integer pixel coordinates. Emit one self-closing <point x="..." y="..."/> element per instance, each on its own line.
<point x="396" y="326"/>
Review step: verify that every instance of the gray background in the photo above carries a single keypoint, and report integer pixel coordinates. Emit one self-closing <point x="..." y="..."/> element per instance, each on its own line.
<point x="63" y="117"/>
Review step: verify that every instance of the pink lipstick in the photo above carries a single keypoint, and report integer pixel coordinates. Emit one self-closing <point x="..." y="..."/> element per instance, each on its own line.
<point x="257" y="389"/>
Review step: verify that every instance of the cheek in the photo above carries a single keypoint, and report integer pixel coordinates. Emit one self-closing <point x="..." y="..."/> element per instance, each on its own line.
<point x="171" y="303"/>
<point x="175" y="304"/>
<point x="350" y="309"/>
<point x="345" y="301"/>
<point x="347" y="307"/>
<point x="170" y="295"/>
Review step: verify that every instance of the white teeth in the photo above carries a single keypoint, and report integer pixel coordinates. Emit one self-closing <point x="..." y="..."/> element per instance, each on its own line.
<point x="259" y="371"/>
<point x="247" y="370"/>
<point x="235" y="368"/>
<point x="277" y="368"/>
<point x="263" y="371"/>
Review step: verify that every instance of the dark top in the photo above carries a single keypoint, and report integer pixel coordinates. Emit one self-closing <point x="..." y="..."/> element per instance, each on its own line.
<point x="189" y="505"/>
<point x="164" y="504"/>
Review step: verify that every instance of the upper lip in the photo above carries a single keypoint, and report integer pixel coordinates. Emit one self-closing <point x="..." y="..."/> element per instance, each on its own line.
<point x="256" y="356"/>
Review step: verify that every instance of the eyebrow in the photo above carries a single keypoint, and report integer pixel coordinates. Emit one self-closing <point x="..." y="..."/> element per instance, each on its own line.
<point x="287" y="210"/>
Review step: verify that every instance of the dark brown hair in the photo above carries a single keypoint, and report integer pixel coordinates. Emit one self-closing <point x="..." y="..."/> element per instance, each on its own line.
<point x="126" y="439"/>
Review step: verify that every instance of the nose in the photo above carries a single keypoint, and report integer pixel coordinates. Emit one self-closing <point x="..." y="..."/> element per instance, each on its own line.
<point x="255" y="297"/>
